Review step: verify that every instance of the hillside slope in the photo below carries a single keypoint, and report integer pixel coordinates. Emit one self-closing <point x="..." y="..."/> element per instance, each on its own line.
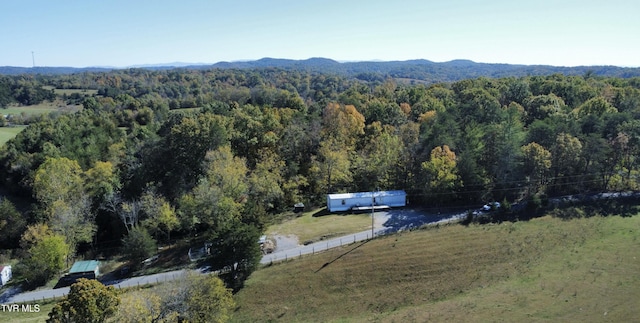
<point x="544" y="269"/>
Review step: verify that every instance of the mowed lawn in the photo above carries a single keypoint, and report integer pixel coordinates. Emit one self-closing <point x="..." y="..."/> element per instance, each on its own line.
<point x="545" y="269"/>
<point x="308" y="227"/>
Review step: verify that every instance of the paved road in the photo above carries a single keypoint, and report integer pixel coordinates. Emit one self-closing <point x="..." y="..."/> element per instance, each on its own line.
<point x="386" y="222"/>
<point x="59" y="292"/>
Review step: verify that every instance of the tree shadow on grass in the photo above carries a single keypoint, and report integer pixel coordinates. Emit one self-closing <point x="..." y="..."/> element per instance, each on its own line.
<point x="342" y="255"/>
<point x="321" y="212"/>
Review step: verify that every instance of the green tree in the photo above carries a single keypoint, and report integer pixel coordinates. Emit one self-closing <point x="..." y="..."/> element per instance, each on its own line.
<point x="101" y="181"/>
<point x="179" y="161"/>
<point x="59" y="186"/>
<point x="595" y="106"/>
<point x="58" y="179"/>
<point x="160" y="216"/>
<point x="88" y="301"/>
<point x="331" y="168"/>
<point x="541" y="106"/>
<point x="137" y="246"/>
<point x="219" y="197"/>
<point x="237" y="252"/>
<point x="12" y="224"/>
<point x="45" y="258"/>
<point x="266" y="180"/>
<point x="565" y="161"/>
<point x="209" y="300"/>
<point x="380" y="159"/>
<point x="503" y="141"/>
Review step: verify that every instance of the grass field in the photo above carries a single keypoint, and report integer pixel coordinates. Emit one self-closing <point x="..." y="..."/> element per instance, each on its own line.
<point x="313" y="228"/>
<point x="42" y="108"/>
<point x="61" y="92"/>
<point x="546" y="269"/>
<point x="37" y="315"/>
<point x="7" y="133"/>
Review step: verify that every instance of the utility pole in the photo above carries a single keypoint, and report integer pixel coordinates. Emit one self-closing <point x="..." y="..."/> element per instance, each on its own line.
<point x="33" y="59"/>
<point x="373" y="201"/>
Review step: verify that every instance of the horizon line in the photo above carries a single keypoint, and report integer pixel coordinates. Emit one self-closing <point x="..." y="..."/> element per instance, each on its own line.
<point x="178" y="64"/>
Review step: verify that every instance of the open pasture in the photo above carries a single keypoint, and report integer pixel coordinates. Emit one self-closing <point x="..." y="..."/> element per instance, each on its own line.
<point x="546" y="269"/>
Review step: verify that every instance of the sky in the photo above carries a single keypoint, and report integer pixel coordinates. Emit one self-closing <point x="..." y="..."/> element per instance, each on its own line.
<point x="122" y="33"/>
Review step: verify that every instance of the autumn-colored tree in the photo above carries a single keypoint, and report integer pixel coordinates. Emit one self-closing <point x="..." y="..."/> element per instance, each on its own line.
<point x="88" y="301"/>
<point x="343" y="124"/>
<point x="59" y="187"/>
<point x="536" y="164"/>
<point x="194" y="298"/>
<point x="441" y="172"/>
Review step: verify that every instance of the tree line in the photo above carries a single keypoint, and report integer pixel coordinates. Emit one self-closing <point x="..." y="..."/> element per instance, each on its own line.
<point x="218" y="152"/>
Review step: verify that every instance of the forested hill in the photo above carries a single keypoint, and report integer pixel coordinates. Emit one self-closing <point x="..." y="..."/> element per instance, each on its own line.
<point x="421" y="70"/>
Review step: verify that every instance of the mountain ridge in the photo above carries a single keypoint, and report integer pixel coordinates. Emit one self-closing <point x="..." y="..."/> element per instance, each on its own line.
<point x="418" y="69"/>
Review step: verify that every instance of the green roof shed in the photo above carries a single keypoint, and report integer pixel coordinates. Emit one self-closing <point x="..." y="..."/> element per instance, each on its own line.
<point x="85" y="267"/>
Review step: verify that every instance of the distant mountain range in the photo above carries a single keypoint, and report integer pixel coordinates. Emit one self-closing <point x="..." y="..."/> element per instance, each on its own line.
<point x="420" y="70"/>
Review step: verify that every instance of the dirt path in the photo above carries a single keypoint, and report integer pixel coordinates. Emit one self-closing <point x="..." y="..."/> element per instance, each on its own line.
<point x="285" y="242"/>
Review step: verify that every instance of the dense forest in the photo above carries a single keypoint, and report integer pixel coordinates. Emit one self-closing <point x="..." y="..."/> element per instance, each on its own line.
<point x="158" y="154"/>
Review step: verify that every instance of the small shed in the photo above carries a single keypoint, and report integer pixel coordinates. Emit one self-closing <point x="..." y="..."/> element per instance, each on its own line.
<point x="85" y="269"/>
<point x="5" y="275"/>
<point x="298" y="208"/>
<point x="363" y="201"/>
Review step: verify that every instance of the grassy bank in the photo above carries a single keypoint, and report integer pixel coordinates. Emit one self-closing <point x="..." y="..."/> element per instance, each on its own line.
<point x="543" y="269"/>
<point x="319" y="224"/>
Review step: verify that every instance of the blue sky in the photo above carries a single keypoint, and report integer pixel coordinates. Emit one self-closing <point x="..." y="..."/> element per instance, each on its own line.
<point x="123" y="33"/>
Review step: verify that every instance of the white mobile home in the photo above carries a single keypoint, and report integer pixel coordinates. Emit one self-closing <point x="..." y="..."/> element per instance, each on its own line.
<point x="5" y="275"/>
<point x="362" y="201"/>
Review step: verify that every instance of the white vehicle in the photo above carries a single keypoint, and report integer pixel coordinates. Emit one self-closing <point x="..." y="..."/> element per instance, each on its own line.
<point x="262" y="240"/>
<point x="491" y="206"/>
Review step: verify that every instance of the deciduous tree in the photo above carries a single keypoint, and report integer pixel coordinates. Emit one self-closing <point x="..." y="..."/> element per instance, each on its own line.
<point x="536" y="162"/>
<point x="45" y="258"/>
<point x="88" y="301"/>
<point x="193" y="298"/>
<point x="441" y="172"/>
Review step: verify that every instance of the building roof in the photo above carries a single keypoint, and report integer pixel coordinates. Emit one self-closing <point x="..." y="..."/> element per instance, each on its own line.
<point x="84" y="266"/>
<point x="365" y="194"/>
